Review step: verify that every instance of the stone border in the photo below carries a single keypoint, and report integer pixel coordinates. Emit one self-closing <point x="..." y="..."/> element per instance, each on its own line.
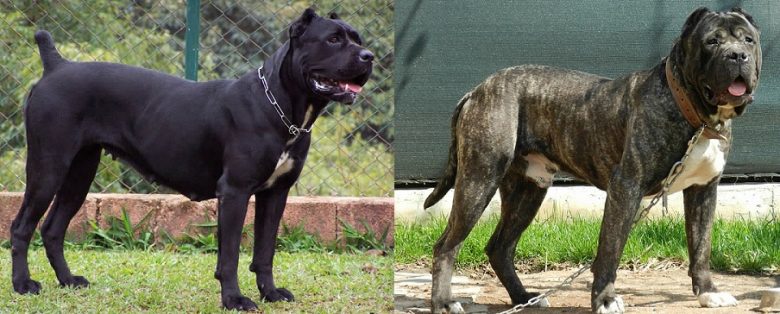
<point x="176" y="214"/>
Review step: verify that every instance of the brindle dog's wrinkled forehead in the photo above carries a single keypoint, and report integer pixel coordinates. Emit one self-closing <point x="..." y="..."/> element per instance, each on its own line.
<point x="722" y="58"/>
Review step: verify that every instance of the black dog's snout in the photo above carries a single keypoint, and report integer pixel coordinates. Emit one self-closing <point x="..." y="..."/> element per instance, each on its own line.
<point x="738" y="57"/>
<point x="366" y="55"/>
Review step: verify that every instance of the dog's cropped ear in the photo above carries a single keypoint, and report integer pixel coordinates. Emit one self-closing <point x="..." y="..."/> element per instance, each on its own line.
<point x="747" y="16"/>
<point x="299" y="26"/>
<point x="693" y="20"/>
<point x="334" y="16"/>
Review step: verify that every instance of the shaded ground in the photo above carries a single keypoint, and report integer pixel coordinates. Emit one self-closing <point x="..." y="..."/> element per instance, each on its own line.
<point x="644" y="291"/>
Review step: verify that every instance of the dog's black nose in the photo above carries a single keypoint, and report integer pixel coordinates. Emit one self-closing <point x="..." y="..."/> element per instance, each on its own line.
<point x="738" y="57"/>
<point x="366" y="55"/>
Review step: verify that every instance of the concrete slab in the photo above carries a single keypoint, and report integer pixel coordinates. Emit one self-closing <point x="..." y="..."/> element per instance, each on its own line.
<point x="735" y="201"/>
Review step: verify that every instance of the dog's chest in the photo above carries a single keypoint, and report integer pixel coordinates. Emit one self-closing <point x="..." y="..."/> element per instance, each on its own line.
<point x="705" y="162"/>
<point x="283" y="166"/>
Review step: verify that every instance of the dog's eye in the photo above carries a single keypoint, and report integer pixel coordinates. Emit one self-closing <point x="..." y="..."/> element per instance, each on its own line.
<point x="334" y="39"/>
<point x="749" y="39"/>
<point x="712" y="41"/>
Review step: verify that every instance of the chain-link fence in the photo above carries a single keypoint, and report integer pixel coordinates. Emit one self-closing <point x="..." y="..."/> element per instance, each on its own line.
<point x="351" y="152"/>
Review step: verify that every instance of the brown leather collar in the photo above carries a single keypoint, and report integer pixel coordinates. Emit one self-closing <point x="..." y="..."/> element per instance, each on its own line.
<point x="686" y="106"/>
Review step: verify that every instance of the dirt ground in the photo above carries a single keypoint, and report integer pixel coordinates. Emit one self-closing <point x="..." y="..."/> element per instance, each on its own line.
<point x="643" y="291"/>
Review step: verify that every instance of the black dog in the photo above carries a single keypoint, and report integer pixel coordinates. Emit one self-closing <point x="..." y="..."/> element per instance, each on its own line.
<point x="228" y="139"/>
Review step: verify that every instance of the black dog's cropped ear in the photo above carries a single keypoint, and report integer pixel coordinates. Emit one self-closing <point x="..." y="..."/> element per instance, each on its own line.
<point x="299" y="26"/>
<point x="693" y="20"/>
<point x="747" y="16"/>
<point x="334" y="16"/>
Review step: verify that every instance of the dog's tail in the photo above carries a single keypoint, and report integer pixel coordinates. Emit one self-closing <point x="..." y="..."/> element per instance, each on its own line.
<point x="447" y="180"/>
<point x="49" y="55"/>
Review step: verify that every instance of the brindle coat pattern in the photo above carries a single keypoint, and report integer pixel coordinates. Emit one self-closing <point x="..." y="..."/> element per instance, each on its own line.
<point x="620" y="135"/>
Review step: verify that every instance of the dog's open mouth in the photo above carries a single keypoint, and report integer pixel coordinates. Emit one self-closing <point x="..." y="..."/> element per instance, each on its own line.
<point x="330" y="86"/>
<point x="737" y="91"/>
<point x="737" y="88"/>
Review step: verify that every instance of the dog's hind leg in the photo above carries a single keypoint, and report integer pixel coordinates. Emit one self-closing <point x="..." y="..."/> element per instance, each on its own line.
<point x="473" y="191"/>
<point x="67" y="203"/>
<point x="45" y="174"/>
<point x="520" y="201"/>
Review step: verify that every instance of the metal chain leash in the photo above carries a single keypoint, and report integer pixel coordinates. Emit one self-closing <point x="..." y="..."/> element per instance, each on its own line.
<point x="539" y="298"/>
<point x="674" y="173"/>
<point x="292" y="128"/>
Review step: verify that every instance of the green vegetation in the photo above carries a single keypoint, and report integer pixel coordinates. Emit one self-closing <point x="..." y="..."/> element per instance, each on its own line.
<point x="351" y="153"/>
<point x="122" y="234"/>
<point x="163" y="282"/>
<point x="738" y="245"/>
<point x="132" y="270"/>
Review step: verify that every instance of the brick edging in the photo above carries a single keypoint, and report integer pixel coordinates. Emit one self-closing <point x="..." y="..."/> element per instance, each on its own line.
<point x="176" y="214"/>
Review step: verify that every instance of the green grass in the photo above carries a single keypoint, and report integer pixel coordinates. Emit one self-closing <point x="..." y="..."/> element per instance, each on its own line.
<point x="131" y="281"/>
<point x="738" y="245"/>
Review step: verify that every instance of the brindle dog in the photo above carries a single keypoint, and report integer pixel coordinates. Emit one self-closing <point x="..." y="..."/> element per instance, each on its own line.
<point x="514" y="131"/>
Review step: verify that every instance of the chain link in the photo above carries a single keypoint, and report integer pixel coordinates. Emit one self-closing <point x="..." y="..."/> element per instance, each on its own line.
<point x="291" y="127"/>
<point x="539" y="298"/>
<point x="674" y="173"/>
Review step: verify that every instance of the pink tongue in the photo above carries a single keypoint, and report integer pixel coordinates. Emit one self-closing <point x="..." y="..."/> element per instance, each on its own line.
<point x="737" y="88"/>
<point x="352" y="87"/>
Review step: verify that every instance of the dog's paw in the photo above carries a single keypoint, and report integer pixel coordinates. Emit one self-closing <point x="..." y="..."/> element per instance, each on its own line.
<point x="542" y="303"/>
<point x="278" y="294"/>
<point x="27" y="286"/>
<point x="453" y="308"/>
<point x="717" y="299"/>
<point x="75" y="282"/>
<point x="239" y="302"/>
<point x="616" y="306"/>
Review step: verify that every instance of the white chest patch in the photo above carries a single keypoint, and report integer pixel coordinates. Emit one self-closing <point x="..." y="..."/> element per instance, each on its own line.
<point x="705" y="162"/>
<point x="283" y="165"/>
<point x="540" y="170"/>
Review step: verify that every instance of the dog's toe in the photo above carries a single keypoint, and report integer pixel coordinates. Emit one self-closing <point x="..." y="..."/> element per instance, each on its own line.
<point x="616" y="306"/>
<point x="75" y="282"/>
<point x="239" y="303"/>
<point x="717" y="299"/>
<point x="278" y="294"/>
<point x="27" y="286"/>
<point x="543" y="302"/>
<point x="454" y="308"/>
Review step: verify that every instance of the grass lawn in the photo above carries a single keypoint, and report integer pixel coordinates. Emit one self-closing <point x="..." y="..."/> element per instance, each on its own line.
<point x="160" y="282"/>
<point x="738" y="245"/>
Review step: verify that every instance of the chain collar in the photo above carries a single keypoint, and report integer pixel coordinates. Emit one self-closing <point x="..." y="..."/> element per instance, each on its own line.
<point x="291" y="127"/>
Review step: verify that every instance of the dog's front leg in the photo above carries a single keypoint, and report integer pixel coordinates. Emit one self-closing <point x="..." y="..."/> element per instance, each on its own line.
<point x="232" y="205"/>
<point x="623" y="197"/>
<point x="700" y="202"/>
<point x="269" y="207"/>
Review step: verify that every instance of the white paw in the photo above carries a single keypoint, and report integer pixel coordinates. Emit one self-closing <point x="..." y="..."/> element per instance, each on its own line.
<point x="455" y="308"/>
<point x="717" y="299"/>
<point x="614" y="307"/>
<point x="542" y="303"/>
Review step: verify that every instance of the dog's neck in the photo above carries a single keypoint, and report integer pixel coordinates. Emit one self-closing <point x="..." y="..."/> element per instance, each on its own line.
<point x="690" y="106"/>
<point x="286" y="85"/>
